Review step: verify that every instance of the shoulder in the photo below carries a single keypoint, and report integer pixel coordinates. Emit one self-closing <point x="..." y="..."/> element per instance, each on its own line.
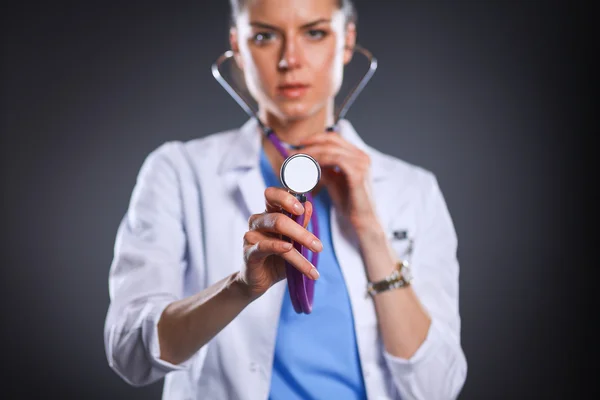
<point x="396" y="172"/>
<point x="179" y="155"/>
<point x="209" y="145"/>
<point x="402" y="174"/>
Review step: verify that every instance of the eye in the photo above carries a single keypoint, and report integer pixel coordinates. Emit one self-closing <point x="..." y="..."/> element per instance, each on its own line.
<point x="316" y="34"/>
<point x="263" y="37"/>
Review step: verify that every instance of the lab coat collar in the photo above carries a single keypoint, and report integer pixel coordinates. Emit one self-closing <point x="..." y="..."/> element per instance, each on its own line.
<point x="245" y="149"/>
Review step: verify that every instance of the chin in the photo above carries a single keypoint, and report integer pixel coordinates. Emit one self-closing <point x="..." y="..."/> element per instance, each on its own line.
<point x="293" y="111"/>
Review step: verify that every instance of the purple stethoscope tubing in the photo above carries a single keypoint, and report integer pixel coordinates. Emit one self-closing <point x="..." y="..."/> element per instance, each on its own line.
<point x="301" y="288"/>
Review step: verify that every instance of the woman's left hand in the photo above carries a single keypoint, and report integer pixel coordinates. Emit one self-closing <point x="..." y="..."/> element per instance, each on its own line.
<point x="350" y="186"/>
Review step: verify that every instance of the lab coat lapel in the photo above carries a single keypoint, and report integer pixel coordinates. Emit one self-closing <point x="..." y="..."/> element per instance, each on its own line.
<point x="241" y="166"/>
<point x="251" y="188"/>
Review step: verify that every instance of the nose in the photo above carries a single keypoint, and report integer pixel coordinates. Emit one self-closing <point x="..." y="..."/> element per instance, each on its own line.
<point x="290" y="55"/>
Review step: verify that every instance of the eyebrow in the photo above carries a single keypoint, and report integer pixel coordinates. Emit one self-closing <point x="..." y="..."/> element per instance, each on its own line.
<point x="259" y="24"/>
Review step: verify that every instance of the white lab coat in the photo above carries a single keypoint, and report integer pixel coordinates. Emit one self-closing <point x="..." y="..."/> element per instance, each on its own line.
<point x="183" y="231"/>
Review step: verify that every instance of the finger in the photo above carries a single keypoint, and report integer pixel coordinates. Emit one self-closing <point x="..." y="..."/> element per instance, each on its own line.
<point x="299" y="262"/>
<point x="323" y="138"/>
<point x="253" y="237"/>
<point x="281" y="224"/>
<point x="332" y="155"/>
<point x="266" y="247"/>
<point x="278" y="199"/>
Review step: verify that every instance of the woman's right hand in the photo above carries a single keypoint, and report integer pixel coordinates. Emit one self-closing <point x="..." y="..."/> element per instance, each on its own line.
<point x="265" y="252"/>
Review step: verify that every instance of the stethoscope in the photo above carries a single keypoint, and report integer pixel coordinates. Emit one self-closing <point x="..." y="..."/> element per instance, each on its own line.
<point x="299" y="174"/>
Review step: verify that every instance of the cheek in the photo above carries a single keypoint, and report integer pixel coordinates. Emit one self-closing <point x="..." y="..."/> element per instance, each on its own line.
<point x="263" y="70"/>
<point x="328" y="67"/>
<point x="258" y="74"/>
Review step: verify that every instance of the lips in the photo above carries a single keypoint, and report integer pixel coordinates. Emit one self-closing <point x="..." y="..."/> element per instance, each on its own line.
<point x="292" y="85"/>
<point x="292" y="90"/>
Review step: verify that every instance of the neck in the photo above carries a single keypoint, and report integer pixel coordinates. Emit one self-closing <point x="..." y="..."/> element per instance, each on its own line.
<point x="294" y="131"/>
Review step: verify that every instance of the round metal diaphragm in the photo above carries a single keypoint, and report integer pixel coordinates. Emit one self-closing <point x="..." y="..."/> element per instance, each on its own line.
<point x="300" y="173"/>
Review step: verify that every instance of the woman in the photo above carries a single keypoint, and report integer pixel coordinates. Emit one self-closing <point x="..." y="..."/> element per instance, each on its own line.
<point x="197" y="283"/>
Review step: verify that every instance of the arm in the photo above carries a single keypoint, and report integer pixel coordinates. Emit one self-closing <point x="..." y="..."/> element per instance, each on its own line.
<point x="420" y="324"/>
<point x="150" y="328"/>
<point x="188" y="324"/>
<point x="147" y="270"/>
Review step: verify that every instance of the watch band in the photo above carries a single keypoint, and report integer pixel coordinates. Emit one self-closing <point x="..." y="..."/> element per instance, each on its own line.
<point x="397" y="279"/>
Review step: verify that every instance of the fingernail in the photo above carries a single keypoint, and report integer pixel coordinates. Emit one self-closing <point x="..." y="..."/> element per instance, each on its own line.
<point x="316" y="245"/>
<point x="314" y="274"/>
<point x="287" y="246"/>
<point x="298" y="208"/>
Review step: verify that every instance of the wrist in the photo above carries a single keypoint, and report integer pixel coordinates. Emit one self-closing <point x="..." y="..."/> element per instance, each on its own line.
<point x="380" y="259"/>
<point x="369" y="231"/>
<point x="241" y="289"/>
<point x="400" y="277"/>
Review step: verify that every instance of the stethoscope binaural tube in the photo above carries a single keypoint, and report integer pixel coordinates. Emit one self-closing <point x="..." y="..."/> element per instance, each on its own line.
<point x="341" y="113"/>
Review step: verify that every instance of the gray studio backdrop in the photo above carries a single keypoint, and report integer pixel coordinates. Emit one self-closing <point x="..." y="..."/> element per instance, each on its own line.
<point x="470" y="90"/>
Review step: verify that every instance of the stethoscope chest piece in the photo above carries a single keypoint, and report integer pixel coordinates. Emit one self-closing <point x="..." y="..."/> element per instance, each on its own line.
<point x="300" y="173"/>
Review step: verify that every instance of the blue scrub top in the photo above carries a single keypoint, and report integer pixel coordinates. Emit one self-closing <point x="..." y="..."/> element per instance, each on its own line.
<point x="316" y="355"/>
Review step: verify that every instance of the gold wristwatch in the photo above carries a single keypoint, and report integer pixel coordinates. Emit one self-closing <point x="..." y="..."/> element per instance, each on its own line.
<point x="401" y="277"/>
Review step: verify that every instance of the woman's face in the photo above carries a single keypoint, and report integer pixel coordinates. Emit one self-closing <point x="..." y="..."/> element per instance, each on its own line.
<point x="292" y="53"/>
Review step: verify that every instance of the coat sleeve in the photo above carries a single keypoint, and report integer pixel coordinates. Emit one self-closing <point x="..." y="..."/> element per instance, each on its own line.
<point x="147" y="271"/>
<point x="438" y="369"/>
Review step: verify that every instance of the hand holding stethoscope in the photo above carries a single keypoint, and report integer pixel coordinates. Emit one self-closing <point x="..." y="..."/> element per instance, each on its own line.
<point x="277" y="242"/>
<point x="267" y="244"/>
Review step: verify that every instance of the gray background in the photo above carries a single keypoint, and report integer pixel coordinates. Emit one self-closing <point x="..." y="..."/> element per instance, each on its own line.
<point x="488" y="95"/>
